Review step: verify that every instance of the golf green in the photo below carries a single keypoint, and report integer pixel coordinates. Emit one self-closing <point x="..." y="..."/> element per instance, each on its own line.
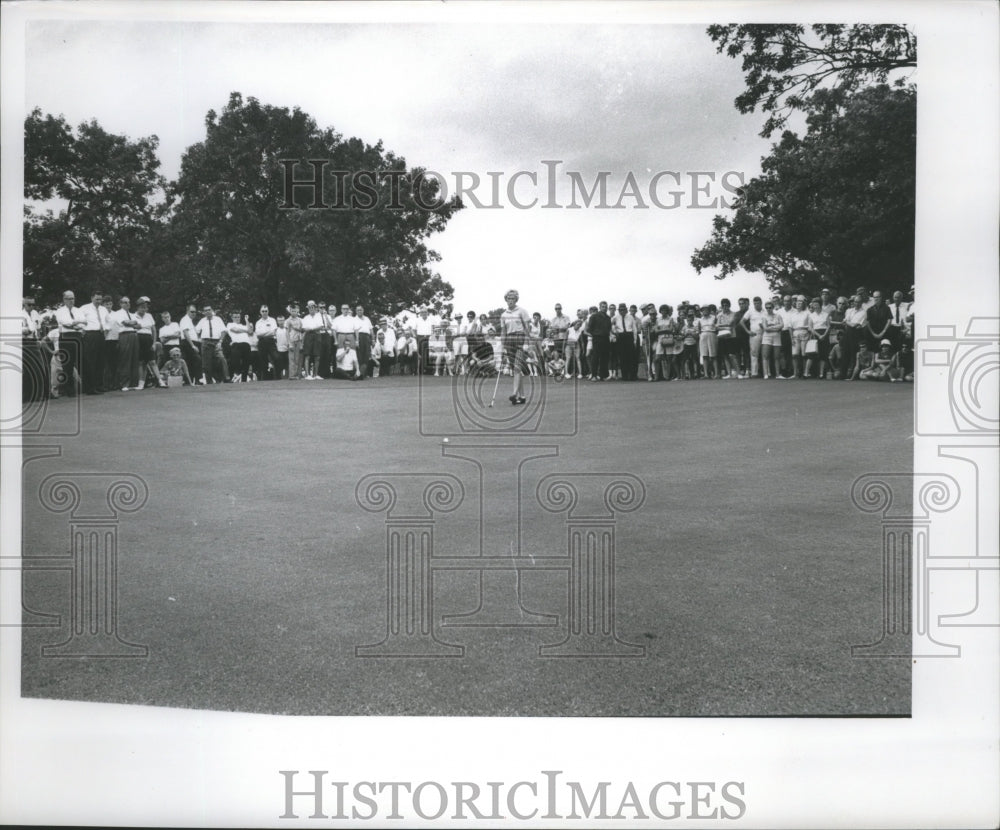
<point x="251" y="574"/>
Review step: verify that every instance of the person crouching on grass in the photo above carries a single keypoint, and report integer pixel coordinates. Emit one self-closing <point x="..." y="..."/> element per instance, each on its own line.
<point x="514" y="324"/>
<point x="884" y="365"/>
<point x="174" y="371"/>
<point x="347" y="367"/>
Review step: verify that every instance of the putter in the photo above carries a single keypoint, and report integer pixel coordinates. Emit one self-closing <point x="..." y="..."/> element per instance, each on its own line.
<point x="495" y="387"/>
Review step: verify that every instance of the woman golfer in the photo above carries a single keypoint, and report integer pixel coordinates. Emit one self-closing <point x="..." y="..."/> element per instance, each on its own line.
<point x="514" y="323"/>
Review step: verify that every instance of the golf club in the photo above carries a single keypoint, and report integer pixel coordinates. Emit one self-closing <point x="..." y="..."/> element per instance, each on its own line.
<point x="495" y="387"/>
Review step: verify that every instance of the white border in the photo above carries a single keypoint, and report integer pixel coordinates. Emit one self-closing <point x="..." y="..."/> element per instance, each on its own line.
<point x="95" y="763"/>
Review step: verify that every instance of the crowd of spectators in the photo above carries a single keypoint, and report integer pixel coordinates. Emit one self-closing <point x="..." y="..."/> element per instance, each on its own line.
<point x="106" y="346"/>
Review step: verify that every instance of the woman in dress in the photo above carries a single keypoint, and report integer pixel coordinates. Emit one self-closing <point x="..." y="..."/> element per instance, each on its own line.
<point x="295" y="335"/>
<point x="514" y="326"/>
<point x="797" y="321"/>
<point x="819" y="331"/>
<point x="147" y="335"/>
<point x="770" y="342"/>
<point x="708" y="343"/>
<point x="665" y="332"/>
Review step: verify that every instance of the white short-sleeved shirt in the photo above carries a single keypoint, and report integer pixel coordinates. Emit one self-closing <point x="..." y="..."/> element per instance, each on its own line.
<point x="237" y="332"/>
<point x="210" y="328"/>
<point x="170" y="334"/>
<point x="187" y="325"/>
<point x="66" y="317"/>
<point x="265" y="327"/>
<point x="755" y="319"/>
<point x="514" y="320"/>
<point x="345" y="324"/>
<point x="147" y="325"/>
<point x="312" y="322"/>
<point x="796" y="319"/>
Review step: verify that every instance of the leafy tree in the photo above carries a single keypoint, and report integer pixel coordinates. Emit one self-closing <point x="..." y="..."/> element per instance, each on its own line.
<point x="92" y="200"/>
<point x="785" y="65"/>
<point x="834" y="208"/>
<point x="242" y="242"/>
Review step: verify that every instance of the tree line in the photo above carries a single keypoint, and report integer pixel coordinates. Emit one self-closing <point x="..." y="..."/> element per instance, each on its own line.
<point x="836" y="205"/>
<point x="98" y="214"/>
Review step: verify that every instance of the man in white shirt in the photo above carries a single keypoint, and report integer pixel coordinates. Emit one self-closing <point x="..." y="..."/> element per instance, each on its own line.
<point x="71" y="327"/>
<point x="557" y="330"/>
<point x="388" y="347"/>
<point x="897" y="320"/>
<point x="423" y="327"/>
<point x="326" y="346"/>
<point x="93" y="344"/>
<point x="753" y="322"/>
<point x="281" y="346"/>
<point x="347" y="362"/>
<point x="170" y="337"/>
<point x="210" y="330"/>
<point x="344" y="326"/>
<point x="266" y="329"/>
<point x="312" y="323"/>
<point x="363" y="331"/>
<point x="191" y="343"/>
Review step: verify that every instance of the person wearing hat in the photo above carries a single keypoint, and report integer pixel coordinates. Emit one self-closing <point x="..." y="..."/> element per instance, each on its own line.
<point x="558" y="330"/>
<point x="312" y="323"/>
<point x="880" y="366"/>
<point x="826" y="303"/>
<point x="146" y="334"/>
<point x="174" y="371"/>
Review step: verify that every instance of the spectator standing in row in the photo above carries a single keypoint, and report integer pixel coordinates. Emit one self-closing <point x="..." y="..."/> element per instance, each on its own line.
<point x="148" y="369"/>
<point x="210" y="330"/>
<point x="281" y="349"/>
<point x="296" y="336"/>
<point x="312" y="324"/>
<point x="266" y="331"/>
<point x="127" y="324"/>
<point x="877" y="320"/>
<point x="239" y="339"/>
<point x="599" y="334"/>
<point x="327" y="347"/>
<point x="94" y="314"/>
<point x="363" y="333"/>
<point x="71" y="327"/>
<point x="191" y="343"/>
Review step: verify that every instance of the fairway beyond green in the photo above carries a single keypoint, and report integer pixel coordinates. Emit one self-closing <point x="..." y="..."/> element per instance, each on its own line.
<point x="252" y="574"/>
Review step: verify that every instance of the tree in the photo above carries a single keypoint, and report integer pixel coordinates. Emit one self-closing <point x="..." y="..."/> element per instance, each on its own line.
<point x="835" y="208"/>
<point x="784" y="66"/>
<point x="242" y="243"/>
<point x="93" y="199"/>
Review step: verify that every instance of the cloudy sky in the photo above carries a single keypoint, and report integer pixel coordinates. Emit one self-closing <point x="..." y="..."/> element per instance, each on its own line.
<point x="476" y="98"/>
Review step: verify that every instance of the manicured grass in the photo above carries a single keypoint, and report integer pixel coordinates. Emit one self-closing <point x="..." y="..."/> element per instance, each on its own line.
<point x="252" y="573"/>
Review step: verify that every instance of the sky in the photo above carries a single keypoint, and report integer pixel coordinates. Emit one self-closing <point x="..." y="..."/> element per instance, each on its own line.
<point x="630" y="99"/>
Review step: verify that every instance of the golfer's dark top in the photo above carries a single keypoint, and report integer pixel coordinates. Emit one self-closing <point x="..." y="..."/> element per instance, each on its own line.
<point x="599" y="325"/>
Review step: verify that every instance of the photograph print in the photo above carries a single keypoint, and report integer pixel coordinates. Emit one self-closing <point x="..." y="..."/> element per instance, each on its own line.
<point x="401" y="368"/>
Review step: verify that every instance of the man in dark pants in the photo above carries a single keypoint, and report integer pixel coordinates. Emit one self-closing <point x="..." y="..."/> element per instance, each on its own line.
<point x="877" y="322"/>
<point x="210" y="330"/>
<point x="92" y="366"/>
<point x="742" y="337"/>
<point x="71" y="326"/>
<point x="599" y="332"/>
<point x="266" y="329"/>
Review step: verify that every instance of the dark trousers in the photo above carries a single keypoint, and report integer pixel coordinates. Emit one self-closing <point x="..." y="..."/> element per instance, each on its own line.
<point x="267" y="353"/>
<point x="34" y="372"/>
<point x="239" y="354"/>
<point x="213" y="362"/>
<point x="626" y="356"/>
<point x="743" y="353"/>
<point x="110" y="365"/>
<point x="849" y="340"/>
<point x="71" y="349"/>
<point x="602" y="351"/>
<point x="128" y="360"/>
<point x="93" y="362"/>
<point x="786" y="353"/>
<point x="192" y="356"/>
<point x="364" y="350"/>
<point x="422" y="340"/>
<point x="325" y="355"/>
<point x="582" y="354"/>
